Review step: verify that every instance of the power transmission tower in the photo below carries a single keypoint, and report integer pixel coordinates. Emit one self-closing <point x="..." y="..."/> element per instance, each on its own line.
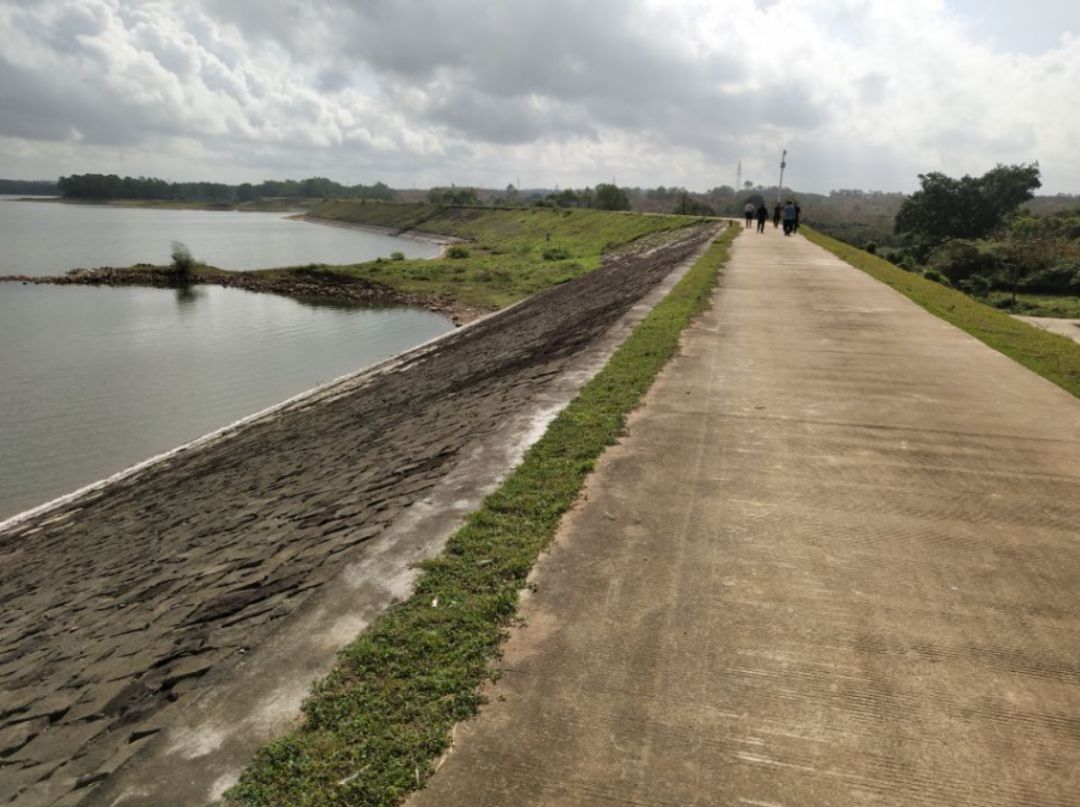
<point x="738" y="177"/>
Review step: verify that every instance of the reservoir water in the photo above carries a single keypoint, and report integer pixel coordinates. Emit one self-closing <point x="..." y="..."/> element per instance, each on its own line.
<point x="49" y="238"/>
<point x="93" y="380"/>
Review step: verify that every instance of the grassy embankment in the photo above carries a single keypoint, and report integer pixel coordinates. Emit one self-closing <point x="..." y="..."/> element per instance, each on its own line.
<point x="511" y="253"/>
<point x="373" y="729"/>
<point x="1054" y="357"/>
<point x="1039" y="305"/>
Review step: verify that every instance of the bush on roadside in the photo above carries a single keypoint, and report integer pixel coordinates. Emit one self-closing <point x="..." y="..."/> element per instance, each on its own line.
<point x="937" y="277"/>
<point x="961" y="259"/>
<point x="457" y="251"/>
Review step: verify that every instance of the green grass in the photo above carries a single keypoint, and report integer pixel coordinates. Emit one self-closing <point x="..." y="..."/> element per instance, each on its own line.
<point x="506" y="260"/>
<point x="1040" y="305"/>
<point x="375" y="725"/>
<point x="1054" y="357"/>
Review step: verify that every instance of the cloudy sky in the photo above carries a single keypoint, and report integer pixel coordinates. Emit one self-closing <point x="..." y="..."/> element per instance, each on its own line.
<point x="863" y="93"/>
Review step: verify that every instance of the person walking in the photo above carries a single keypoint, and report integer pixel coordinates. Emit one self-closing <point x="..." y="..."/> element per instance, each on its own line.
<point x="748" y="211"/>
<point x="776" y="213"/>
<point x="789" y="217"/>
<point x="795" y="223"/>
<point x="762" y="217"/>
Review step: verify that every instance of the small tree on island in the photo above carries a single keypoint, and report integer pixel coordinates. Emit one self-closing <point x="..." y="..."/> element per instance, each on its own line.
<point x="183" y="262"/>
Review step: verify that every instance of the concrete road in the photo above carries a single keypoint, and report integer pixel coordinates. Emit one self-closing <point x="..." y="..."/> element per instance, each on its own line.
<point x="836" y="561"/>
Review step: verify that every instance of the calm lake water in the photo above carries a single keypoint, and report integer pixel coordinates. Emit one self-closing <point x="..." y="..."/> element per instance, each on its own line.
<point x="49" y="238"/>
<point x="93" y="380"/>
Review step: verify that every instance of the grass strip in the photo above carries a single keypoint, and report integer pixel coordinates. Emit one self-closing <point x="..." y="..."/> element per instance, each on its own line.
<point x="1054" y="357"/>
<point x="374" y="727"/>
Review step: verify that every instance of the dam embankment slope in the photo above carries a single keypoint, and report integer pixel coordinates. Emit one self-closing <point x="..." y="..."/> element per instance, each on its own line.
<point x="125" y="607"/>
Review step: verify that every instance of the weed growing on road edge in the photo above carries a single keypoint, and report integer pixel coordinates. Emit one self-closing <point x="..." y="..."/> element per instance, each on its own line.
<point x="1056" y="358"/>
<point x="374" y="727"/>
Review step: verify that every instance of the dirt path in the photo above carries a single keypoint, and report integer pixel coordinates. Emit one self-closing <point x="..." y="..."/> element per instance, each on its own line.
<point x="836" y="561"/>
<point x="119" y="609"/>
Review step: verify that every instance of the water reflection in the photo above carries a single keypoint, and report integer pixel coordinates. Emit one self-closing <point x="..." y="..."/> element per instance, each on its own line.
<point x="336" y="304"/>
<point x="187" y="296"/>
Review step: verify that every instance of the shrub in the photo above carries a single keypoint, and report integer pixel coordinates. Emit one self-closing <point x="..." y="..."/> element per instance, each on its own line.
<point x="936" y="276"/>
<point x="556" y="253"/>
<point x="960" y="259"/>
<point x="457" y="251"/>
<point x="1061" y="278"/>
<point x="397" y="256"/>
<point x="871" y="247"/>
<point x="183" y="263"/>
<point x="977" y="285"/>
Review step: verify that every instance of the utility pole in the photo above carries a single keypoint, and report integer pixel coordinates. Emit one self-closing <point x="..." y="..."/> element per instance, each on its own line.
<point x="783" y="165"/>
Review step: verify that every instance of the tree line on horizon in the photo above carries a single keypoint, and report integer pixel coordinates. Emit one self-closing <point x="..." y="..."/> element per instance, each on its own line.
<point x="29" y="187"/>
<point x="111" y="186"/>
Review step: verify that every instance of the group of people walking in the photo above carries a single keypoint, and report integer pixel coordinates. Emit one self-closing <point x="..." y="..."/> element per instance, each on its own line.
<point x="788" y="213"/>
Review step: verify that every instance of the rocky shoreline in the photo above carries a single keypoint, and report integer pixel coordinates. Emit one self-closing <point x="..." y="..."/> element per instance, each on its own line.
<point x="305" y="284"/>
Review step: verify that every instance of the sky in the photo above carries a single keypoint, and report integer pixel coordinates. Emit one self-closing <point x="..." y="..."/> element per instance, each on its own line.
<point x="541" y="93"/>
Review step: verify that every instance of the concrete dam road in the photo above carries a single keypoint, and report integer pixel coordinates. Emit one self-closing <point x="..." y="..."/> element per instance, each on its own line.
<point x="129" y="615"/>
<point x="835" y="561"/>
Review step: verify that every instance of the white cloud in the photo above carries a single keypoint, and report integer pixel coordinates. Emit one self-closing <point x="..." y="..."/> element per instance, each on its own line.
<point x="865" y="93"/>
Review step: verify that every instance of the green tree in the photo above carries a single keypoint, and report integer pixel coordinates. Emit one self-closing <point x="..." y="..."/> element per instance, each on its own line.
<point x="689" y="206"/>
<point x="610" y="197"/>
<point x="969" y="207"/>
<point x="183" y="263"/>
<point x="453" y="196"/>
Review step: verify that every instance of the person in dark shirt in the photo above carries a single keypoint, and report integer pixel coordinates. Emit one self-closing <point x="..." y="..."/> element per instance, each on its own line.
<point x="762" y="217"/>
<point x="789" y="218"/>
